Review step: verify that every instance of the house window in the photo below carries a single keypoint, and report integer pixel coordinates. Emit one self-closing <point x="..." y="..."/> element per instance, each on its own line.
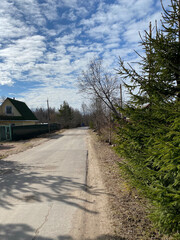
<point x="8" y="110"/>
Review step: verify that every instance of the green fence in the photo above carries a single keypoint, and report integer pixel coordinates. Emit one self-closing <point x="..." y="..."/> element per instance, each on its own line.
<point x="29" y="131"/>
<point x="5" y="133"/>
<point x="8" y="133"/>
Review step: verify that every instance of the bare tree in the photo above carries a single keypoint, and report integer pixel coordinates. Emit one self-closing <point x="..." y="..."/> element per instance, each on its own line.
<point x="46" y="115"/>
<point x="85" y="114"/>
<point x="99" y="84"/>
<point x="97" y="110"/>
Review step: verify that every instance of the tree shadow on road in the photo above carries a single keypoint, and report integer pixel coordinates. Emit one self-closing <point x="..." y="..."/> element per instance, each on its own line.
<point x="26" y="232"/>
<point x="101" y="237"/>
<point x="51" y="135"/>
<point x="18" y="184"/>
<point x="18" y="232"/>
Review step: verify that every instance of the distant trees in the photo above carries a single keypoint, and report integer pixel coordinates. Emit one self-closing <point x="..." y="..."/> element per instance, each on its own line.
<point x="46" y="115"/>
<point x="86" y="114"/>
<point x="65" y="114"/>
<point x="69" y="117"/>
<point x="98" y="117"/>
<point x="150" y="140"/>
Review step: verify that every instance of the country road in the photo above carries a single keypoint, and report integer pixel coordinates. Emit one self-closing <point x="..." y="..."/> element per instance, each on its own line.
<point x="44" y="194"/>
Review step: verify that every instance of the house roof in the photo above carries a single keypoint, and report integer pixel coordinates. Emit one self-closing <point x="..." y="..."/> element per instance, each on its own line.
<point x="26" y="113"/>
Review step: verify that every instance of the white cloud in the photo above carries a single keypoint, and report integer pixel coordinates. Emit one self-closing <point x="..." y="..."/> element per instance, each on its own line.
<point x="56" y="96"/>
<point x="31" y="11"/>
<point x="24" y="50"/>
<point x="5" y="79"/>
<point x="39" y="45"/>
<point x="13" y="28"/>
<point x="67" y="3"/>
<point x="49" y="9"/>
<point x="70" y="16"/>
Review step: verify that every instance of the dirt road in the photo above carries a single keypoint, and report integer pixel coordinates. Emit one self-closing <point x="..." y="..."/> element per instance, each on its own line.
<point x="54" y="191"/>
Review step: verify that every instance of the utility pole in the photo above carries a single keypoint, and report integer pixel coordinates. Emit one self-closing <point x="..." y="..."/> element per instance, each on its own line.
<point x="110" y="129"/>
<point x="48" y="115"/>
<point x="121" y="101"/>
<point x="121" y="95"/>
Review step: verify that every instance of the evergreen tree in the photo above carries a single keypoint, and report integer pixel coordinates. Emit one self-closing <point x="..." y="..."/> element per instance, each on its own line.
<point x="65" y="114"/>
<point x="69" y="117"/>
<point x="150" y="140"/>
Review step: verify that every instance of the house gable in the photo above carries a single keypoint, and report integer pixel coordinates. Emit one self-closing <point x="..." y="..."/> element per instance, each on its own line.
<point x="6" y="105"/>
<point x="23" y="109"/>
<point x="12" y="109"/>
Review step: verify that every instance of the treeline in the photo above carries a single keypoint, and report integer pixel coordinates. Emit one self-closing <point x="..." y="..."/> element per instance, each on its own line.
<point x="148" y="124"/>
<point x="66" y="116"/>
<point x="95" y="115"/>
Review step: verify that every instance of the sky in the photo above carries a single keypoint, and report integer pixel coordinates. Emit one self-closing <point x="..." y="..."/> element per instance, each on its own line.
<point x="46" y="44"/>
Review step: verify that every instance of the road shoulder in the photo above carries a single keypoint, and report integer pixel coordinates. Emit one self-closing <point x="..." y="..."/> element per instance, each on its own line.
<point x="125" y="211"/>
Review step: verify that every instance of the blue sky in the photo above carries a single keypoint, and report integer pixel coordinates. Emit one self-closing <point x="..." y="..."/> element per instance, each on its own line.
<point x="45" y="44"/>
